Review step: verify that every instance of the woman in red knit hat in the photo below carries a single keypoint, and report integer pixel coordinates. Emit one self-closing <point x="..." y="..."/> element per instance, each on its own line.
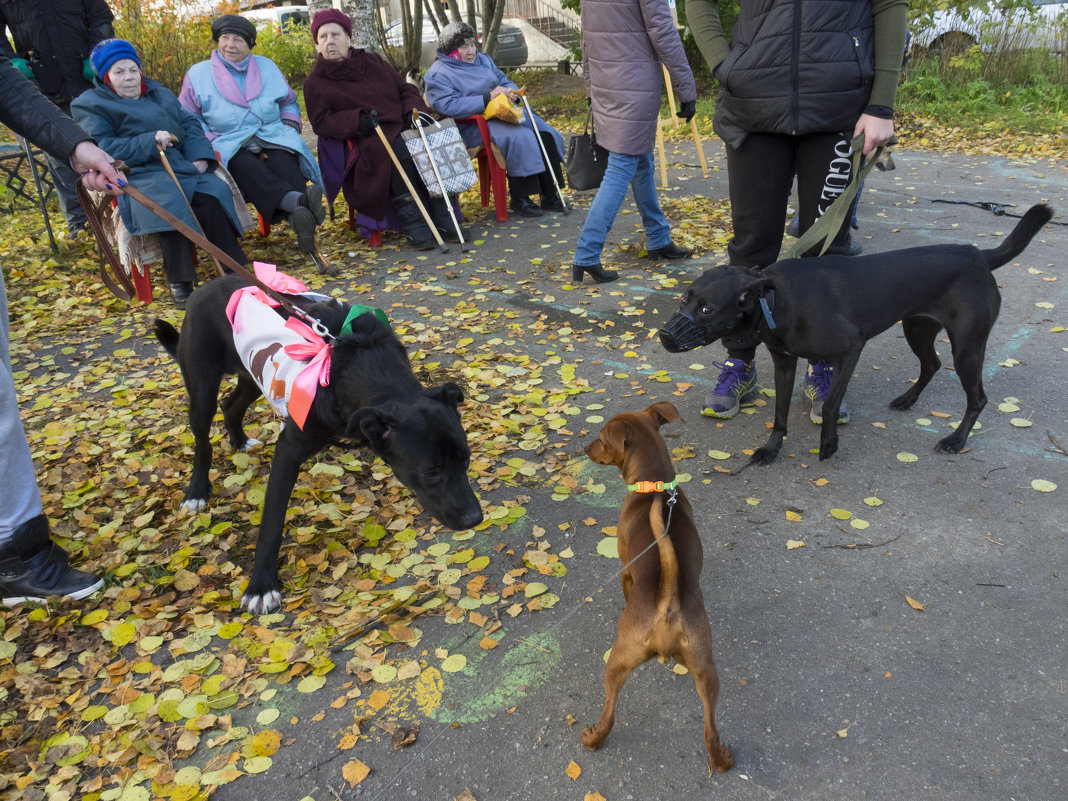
<point x="346" y="89"/>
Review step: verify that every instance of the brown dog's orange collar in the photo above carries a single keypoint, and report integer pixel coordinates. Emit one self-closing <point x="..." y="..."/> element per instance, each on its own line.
<point x="653" y="486"/>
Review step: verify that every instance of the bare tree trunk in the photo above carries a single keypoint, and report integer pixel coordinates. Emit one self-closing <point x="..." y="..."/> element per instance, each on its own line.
<point x="439" y="11"/>
<point x="364" y="31"/>
<point x="492" y="13"/>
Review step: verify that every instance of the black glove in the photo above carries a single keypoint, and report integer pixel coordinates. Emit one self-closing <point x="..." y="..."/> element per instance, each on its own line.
<point x="687" y="110"/>
<point x="367" y="124"/>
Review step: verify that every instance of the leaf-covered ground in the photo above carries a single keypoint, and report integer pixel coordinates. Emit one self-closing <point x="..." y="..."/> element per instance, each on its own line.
<point x="161" y="687"/>
<point x="149" y="688"/>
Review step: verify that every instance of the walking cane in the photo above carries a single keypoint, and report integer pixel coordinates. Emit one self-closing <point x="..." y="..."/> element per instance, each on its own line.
<point x="407" y="182"/>
<point x="441" y="184"/>
<point x="544" y="153"/>
<point x="170" y="172"/>
<point x="40" y="192"/>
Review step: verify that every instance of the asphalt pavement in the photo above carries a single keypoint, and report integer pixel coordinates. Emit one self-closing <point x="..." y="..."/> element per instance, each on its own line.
<point x="912" y="647"/>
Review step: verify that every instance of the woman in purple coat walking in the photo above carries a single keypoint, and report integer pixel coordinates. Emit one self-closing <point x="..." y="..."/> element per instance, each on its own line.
<point x="624" y="43"/>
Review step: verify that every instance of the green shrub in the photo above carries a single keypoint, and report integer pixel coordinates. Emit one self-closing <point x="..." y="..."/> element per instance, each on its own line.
<point x="170" y="36"/>
<point x="173" y="35"/>
<point x="292" y="49"/>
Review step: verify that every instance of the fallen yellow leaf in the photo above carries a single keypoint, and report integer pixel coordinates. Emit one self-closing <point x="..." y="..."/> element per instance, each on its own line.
<point x="573" y="770"/>
<point x="914" y="604"/>
<point x="355" y="772"/>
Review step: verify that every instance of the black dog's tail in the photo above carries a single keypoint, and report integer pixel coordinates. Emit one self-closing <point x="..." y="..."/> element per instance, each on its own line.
<point x="1029" y="225"/>
<point x="167" y="336"/>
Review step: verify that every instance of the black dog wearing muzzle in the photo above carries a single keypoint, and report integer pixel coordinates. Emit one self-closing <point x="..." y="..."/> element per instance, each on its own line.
<point x="827" y="308"/>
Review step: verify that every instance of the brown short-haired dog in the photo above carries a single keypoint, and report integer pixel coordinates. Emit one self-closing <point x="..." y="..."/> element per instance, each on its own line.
<point x="664" y="614"/>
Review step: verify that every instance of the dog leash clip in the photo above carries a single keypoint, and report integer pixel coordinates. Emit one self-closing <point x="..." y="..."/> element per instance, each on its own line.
<point x="673" y="496"/>
<point x="315" y="324"/>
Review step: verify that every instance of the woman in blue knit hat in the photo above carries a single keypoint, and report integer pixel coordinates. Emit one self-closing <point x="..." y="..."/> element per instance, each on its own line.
<point x="133" y="118"/>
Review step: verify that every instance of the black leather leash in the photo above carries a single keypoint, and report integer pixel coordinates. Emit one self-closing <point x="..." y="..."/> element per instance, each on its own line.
<point x="997" y="209"/>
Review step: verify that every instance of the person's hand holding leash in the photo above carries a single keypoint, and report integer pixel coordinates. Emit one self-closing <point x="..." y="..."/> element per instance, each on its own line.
<point x="876" y="130"/>
<point x="96" y="168"/>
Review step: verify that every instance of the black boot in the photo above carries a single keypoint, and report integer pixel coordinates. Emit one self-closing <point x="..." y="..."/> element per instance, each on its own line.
<point x="596" y="271"/>
<point x="180" y="292"/>
<point x="32" y="567"/>
<point x="413" y="226"/>
<point x="439" y="213"/>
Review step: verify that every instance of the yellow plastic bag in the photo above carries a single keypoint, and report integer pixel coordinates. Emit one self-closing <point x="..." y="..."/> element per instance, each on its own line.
<point x="503" y="109"/>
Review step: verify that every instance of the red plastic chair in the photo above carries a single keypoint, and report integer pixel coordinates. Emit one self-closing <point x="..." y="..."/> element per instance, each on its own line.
<point x="490" y="167"/>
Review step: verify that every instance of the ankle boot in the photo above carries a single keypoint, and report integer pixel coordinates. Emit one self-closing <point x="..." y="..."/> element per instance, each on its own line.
<point x="412" y="224"/>
<point x="596" y="271"/>
<point x="439" y="213"/>
<point x="180" y="292"/>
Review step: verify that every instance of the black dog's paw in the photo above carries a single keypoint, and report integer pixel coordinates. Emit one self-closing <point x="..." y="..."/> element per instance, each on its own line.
<point x="261" y="597"/>
<point x="903" y="402"/>
<point x="248" y="445"/>
<point x="191" y="506"/>
<point x="262" y="604"/>
<point x="827" y="453"/>
<point x="764" y="456"/>
<point x="951" y="444"/>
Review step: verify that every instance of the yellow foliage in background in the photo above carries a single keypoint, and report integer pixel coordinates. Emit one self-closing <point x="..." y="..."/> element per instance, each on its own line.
<point x="173" y="35"/>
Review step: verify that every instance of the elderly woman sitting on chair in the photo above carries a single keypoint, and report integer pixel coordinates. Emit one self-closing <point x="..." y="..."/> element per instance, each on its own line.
<point x="135" y="120"/>
<point x="347" y="93"/>
<point x="461" y="83"/>
<point x="251" y="116"/>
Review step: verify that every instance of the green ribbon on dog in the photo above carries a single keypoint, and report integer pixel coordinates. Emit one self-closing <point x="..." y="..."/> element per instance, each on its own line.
<point x="824" y="230"/>
<point x="358" y="310"/>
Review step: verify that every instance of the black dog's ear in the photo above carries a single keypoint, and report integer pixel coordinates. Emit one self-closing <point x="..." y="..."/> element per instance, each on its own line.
<point x="373" y="426"/>
<point x="752" y="291"/>
<point x="448" y="393"/>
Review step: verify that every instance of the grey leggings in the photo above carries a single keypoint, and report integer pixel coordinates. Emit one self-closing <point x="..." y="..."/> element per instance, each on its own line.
<point x="22" y="499"/>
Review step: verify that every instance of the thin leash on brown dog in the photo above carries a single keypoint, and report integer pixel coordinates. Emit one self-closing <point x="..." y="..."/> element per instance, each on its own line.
<point x="664" y="615"/>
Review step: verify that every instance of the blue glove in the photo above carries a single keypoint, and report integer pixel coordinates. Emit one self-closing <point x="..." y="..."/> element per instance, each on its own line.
<point x="87" y="70"/>
<point x="23" y="66"/>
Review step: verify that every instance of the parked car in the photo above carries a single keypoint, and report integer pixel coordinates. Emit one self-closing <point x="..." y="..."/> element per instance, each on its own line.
<point x="511" y="43"/>
<point x="278" y="16"/>
<point x="1000" y="28"/>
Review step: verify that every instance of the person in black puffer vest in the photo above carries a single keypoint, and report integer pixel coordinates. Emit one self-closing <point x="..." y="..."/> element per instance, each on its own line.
<point x="798" y="80"/>
<point x="52" y="43"/>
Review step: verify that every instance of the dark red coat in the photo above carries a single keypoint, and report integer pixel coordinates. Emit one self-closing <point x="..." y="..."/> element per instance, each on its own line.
<point x="335" y="92"/>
